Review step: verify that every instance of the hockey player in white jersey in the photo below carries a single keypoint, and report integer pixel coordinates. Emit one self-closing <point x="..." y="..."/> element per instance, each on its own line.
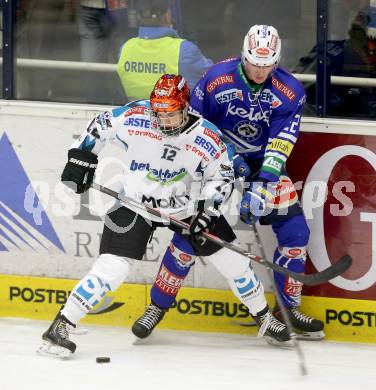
<point x="175" y="161"/>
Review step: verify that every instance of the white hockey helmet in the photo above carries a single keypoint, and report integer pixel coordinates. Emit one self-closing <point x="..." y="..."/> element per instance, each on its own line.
<point x="262" y="46"/>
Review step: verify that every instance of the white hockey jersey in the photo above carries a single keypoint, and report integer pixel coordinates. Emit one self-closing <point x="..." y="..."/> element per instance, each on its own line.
<point x="170" y="173"/>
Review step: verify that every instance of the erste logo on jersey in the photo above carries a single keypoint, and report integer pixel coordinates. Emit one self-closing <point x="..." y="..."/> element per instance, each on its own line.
<point x="208" y="146"/>
<point x="220" y="80"/>
<point x="267" y="96"/>
<point x="228" y="95"/>
<point x="138" y="122"/>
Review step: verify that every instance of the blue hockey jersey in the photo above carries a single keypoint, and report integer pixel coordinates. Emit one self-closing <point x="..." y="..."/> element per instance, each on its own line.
<point x="262" y="125"/>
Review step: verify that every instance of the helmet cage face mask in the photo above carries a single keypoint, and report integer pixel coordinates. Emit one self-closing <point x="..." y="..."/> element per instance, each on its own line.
<point x="169" y="102"/>
<point x="170" y="125"/>
<point x="262" y="46"/>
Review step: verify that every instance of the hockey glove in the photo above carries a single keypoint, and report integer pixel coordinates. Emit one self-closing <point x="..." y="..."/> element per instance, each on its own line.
<point x="79" y="171"/>
<point x="241" y="168"/>
<point x="254" y="202"/>
<point x="204" y="220"/>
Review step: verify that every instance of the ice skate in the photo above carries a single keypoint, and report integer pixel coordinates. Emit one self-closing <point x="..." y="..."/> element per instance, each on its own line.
<point x="56" y="341"/>
<point x="143" y="327"/>
<point x="272" y="330"/>
<point x="306" y="327"/>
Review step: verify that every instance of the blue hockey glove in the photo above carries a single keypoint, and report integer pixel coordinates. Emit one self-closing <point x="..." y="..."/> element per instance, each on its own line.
<point x="254" y="202"/>
<point x="241" y="168"/>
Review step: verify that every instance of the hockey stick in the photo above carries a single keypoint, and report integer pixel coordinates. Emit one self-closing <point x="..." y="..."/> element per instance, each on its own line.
<point x="285" y="316"/>
<point x="310" y="280"/>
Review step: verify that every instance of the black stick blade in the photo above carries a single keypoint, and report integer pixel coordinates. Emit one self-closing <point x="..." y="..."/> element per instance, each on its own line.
<point x="342" y="265"/>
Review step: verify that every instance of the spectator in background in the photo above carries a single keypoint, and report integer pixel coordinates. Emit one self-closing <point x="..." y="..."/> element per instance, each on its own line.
<point x="351" y="52"/>
<point x="157" y="50"/>
<point x="95" y="30"/>
<point x="101" y="24"/>
<point x="102" y="27"/>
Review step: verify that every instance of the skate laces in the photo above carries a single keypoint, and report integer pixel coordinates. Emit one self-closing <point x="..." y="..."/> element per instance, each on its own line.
<point x="61" y="329"/>
<point x="301" y="316"/>
<point x="151" y="317"/>
<point x="269" y="322"/>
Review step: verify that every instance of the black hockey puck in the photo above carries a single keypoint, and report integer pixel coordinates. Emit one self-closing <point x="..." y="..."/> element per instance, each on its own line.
<point x="103" y="359"/>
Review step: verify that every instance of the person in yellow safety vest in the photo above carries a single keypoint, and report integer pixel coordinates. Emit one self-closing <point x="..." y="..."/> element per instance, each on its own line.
<point x="157" y="50"/>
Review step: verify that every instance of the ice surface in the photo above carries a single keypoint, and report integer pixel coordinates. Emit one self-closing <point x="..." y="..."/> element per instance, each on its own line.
<point x="177" y="360"/>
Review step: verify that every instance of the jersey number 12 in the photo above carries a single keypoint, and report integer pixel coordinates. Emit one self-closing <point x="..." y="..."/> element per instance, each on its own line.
<point x="169" y="154"/>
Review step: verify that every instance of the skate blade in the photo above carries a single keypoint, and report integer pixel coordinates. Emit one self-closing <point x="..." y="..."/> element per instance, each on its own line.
<point x="138" y="341"/>
<point x="310" y="336"/>
<point x="77" y="330"/>
<point x="52" y="350"/>
<point x="281" y="344"/>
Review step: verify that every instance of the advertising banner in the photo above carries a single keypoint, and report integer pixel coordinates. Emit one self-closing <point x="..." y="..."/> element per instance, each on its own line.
<point x="337" y="172"/>
<point x="196" y="309"/>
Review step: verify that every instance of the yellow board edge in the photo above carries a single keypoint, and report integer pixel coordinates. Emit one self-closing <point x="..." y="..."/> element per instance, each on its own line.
<point x="196" y="309"/>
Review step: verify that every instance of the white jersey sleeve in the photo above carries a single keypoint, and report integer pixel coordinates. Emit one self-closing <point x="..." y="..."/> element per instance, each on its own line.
<point x="99" y="131"/>
<point x="218" y="175"/>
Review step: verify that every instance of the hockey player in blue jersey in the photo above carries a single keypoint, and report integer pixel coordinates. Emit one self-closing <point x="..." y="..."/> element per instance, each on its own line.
<point x="258" y="106"/>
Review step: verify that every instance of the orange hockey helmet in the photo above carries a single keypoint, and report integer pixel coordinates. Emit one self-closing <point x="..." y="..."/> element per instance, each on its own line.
<point x="169" y="102"/>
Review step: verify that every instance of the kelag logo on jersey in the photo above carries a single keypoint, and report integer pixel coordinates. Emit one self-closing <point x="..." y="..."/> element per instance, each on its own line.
<point x="138" y="122"/>
<point x="165" y="177"/>
<point x="18" y="229"/>
<point x="254" y="113"/>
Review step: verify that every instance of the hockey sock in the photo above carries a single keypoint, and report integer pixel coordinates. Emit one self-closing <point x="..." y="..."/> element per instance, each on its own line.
<point x="107" y="273"/>
<point x="289" y="288"/>
<point x="86" y="294"/>
<point x="176" y="263"/>
<point x="243" y="281"/>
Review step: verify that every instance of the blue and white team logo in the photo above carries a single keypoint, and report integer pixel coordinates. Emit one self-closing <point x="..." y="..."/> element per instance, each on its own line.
<point x="199" y="93"/>
<point x="19" y="231"/>
<point x="248" y="129"/>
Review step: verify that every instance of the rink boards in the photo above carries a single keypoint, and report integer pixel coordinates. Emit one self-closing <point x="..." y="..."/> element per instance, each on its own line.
<point x="44" y="232"/>
<point x="196" y="309"/>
